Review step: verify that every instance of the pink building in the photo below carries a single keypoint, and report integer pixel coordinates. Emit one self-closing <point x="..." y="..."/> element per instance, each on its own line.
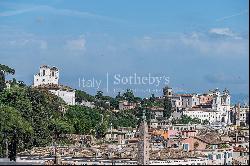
<point x="192" y="143"/>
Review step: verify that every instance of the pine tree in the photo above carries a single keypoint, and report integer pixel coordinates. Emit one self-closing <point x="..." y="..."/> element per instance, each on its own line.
<point x="3" y="71"/>
<point x="167" y="108"/>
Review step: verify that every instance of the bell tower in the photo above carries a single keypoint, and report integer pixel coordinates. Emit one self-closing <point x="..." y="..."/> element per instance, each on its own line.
<point x="143" y="144"/>
<point x="167" y="92"/>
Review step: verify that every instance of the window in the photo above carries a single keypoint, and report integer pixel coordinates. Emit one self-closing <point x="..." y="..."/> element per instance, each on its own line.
<point x="210" y="156"/>
<point x="186" y="147"/>
<point x="43" y="72"/>
<point x="218" y="156"/>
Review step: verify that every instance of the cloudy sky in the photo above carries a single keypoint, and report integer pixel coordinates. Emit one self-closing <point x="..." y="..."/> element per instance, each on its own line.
<point x="199" y="45"/>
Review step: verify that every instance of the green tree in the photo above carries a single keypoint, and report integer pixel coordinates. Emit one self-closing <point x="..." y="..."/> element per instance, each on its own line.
<point x="83" y="119"/>
<point x="196" y="121"/>
<point x="185" y="119"/>
<point x="119" y="97"/>
<point x="205" y="122"/>
<point x="99" y="95"/>
<point x="129" y="96"/>
<point x="167" y="107"/>
<point x="59" y="126"/>
<point x="11" y="120"/>
<point x="37" y="106"/>
<point x="81" y="95"/>
<point x="3" y="71"/>
<point x="152" y="98"/>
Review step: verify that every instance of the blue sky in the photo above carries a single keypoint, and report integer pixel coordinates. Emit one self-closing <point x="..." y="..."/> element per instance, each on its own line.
<point x="199" y="45"/>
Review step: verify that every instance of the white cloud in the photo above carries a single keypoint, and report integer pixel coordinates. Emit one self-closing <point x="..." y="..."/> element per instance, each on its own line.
<point x="217" y="46"/>
<point x="12" y="38"/>
<point x="57" y="11"/>
<point x="19" y="42"/>
<point x="202" y="43"/>
<point x="15" y="12"/>
<point x="76" y="44"/>
<point x="224" y="32"/>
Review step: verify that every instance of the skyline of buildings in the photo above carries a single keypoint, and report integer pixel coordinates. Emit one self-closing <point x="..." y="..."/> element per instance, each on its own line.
<point x="124" y="82"/>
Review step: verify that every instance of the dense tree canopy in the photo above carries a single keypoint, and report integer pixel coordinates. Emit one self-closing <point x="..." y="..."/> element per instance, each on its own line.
<point x="32" y="111"/>
<point x="11" y="120"/>
<point x="36" y="116"/>
<point x="83" y="96"/>
<point x="123" y="119"/>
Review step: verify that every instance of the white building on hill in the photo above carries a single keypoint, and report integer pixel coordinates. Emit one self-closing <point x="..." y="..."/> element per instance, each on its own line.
<point x="48" y="78"/>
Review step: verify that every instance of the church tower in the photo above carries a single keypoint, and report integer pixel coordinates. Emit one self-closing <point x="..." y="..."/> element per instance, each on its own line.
<point x="143" y="143"/>
<point x="167" y="92"/>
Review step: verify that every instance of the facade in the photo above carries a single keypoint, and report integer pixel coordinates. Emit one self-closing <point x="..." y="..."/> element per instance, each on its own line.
<point x="189" y="100"/>
<point x="203" y="114"/>
<point x="213" y="106"/>
<point x="219" y="156"/>
<point x="88" y="104"/>
<point x="221" y="103"/>
<point x="240" y="115"/>
<point x="166" y="134"/>
<point x="67" y="95"/>
<point x="125" y="105"/>
<point x="156" y="112"/>
<point x="218" y="152"/>
<point x="206" y="99"/>
<point x="244" y="115"/>
<point x="48" y="78"/>
<point x="240" y="156"/>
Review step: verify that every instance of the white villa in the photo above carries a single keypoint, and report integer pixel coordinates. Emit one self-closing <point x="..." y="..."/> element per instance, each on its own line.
<point x="48" y="78"/>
